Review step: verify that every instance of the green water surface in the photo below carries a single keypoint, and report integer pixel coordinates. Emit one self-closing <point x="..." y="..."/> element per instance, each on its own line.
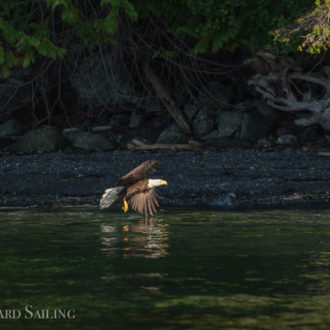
<point x="183" y="270"/>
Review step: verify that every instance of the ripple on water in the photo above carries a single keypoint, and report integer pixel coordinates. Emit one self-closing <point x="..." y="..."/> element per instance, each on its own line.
<point x="197" y="269"/>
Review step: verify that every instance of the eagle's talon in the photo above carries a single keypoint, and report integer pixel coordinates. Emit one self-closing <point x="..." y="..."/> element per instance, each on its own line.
<point x="125" y="206"/>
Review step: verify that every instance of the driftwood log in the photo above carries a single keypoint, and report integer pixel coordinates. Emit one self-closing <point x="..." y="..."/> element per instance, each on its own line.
<point x="166" y="98"/>
<point x="138" y="145"/>
<point x="324" y="153"/>
<point x="285" y="86"/>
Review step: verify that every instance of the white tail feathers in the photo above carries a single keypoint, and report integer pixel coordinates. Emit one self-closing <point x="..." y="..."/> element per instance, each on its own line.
<point x="110" y="196"/>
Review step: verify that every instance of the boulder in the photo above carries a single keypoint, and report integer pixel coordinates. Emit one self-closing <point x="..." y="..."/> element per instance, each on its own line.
<point x="70" y="133"/>
<point x="190" y="111"/>
<point x="43" y="139"/>
<point x="287" y="139"/>
<point x="268" y="112"/>
<point x="172" y="134"/>
<point x="211" y="136"/>
<point x="282" y="131"/>
<point x="90" y="141"/>
<point x="265" y="143"/>
<point x="229" y="123"/>
<point x="311" y="134"/>
<point x="119" y="120"/>
<point x="147" y="133"/>
<point x="160" y="121"/>
<point x="6" y="141"/>
<point x="253" y="127"/>
<point x="101" y="79"/>
<point x="203" y="122"/>
<point x="10" y="127"/>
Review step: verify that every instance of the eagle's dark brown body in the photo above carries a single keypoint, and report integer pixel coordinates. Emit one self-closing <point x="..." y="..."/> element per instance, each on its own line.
<point x="135" y="190"/>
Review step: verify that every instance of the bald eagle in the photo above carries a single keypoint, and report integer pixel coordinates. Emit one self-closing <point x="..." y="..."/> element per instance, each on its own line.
<point x="135" y="190"/>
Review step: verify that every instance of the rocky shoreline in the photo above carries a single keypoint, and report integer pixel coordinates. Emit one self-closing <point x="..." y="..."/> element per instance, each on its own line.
<point x="233" y="179"/>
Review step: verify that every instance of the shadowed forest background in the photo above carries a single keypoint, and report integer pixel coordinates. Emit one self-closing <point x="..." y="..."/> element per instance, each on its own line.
<point x="97" y="75"/>
<point x="233" y="99"/>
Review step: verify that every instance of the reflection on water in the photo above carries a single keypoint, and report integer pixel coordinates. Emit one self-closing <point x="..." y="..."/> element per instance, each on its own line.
<point x="140" y="239"/>
<point x="136" y="240"/>
<point x="188" y="269"/>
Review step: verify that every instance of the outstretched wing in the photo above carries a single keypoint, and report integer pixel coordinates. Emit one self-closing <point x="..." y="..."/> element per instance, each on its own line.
<point x="144" y="202"/>
<point x="139" y="173"/>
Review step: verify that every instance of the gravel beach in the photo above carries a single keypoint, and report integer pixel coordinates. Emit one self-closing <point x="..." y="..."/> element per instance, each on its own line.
<point x="229" y="180"/>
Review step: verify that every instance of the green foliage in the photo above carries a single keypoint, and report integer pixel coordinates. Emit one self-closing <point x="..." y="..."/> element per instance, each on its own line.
<point x="226" y="24"/>
<point x="30" y="28"/>
<point x="311" y="31"/>
<point x="317" y="23"/>
<point x="108" y="26"/>
<point x="165" y="53"/>
<point x="22" y="38"/>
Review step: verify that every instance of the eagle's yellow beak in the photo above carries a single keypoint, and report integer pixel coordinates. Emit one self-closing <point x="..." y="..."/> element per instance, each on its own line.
<point x="164" y="182"/>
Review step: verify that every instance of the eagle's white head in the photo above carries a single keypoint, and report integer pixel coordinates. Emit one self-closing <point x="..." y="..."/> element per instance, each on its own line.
<point x="156" y="182"/>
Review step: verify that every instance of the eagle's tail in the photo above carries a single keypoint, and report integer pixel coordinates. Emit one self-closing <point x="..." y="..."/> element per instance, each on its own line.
<point x="110" y="196"/>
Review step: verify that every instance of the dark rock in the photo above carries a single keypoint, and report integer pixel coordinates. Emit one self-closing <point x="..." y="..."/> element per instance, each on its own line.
<point x="305" y="149"/>
<point x="190" y="111"/>
<point x="10" y="127"/>
<point x="268" y="112"/>
<point x="203" y="122"/>
<point x="210" y="136"/>
<point x="253" y="128"/>
<point x="286" y="139"/>
<point x="148" y="133"/>
<point x="324" y="140"/>
<point x="265" y="143"/>
<point x="123" y="139"/>
<point x="282" y="131"/>
<point x="119" y="120"/>
<point x="84" y="126"/>
<point x="6" y="141"/>
<point x="311" y="134"/>
<point x="161" y="121"/>
<point x="90" y="141"/>
<point x="43" y="139"/>
<point x="229" y="123"/>
<point x="101" y="79"/>
<point x="172" y="134"/>
<point x="242" y="123"/>
<point x="70" y="133"/>
<point x="158" y="123"/>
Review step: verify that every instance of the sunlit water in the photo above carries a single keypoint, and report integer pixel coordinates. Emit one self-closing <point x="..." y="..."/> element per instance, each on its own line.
<point x="183" y="270"/>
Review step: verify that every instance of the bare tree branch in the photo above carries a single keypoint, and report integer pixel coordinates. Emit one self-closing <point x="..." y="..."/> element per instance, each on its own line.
<point x="282" y="86"/>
